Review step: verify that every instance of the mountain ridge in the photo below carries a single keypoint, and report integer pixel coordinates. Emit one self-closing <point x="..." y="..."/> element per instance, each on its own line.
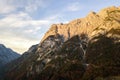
<point x="78" y="26"/>
<point x="7" y="54"/>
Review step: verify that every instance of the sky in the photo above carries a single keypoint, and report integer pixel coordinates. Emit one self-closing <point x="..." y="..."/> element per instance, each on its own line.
<point x="24" y="22"/>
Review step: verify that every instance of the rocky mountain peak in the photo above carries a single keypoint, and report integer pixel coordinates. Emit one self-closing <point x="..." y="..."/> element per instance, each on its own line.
<point x="87" y="24"/>
<point x="104" y="12"/>
<point x="2" y="46"/>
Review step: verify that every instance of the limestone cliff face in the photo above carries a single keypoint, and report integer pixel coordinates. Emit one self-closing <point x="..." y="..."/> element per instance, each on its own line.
<point x="102" y="20"/>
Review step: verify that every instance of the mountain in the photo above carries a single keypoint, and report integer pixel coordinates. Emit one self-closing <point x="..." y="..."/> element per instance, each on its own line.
<point x="83" y="49"/>
<point x="18" y="61"/>
<point x="7" y="55"/>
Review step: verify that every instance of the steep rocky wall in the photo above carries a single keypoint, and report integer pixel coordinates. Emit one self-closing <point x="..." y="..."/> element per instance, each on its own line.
<point x="86" y="25"/>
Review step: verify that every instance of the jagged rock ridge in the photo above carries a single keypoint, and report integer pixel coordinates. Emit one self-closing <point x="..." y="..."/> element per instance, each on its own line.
<point x="103" y="19"/>
<point x="84" y="49"/>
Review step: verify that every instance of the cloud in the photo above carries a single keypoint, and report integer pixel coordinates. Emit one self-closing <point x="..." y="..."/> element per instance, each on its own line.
<point x="21" y="20"/>
<point x="76" y="6"/>
<point x="6" y="7"/>
<point x="9" y="6"/>
<point x="33" y="5"/>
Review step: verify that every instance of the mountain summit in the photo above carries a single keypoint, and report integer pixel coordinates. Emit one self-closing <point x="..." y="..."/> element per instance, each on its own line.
<point x="83" y="49"/>
<point x="103" y="19"/>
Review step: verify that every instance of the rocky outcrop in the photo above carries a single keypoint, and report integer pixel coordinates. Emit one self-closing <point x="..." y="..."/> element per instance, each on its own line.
<point x="102" y="20"/>
<point x="84" y="49"/>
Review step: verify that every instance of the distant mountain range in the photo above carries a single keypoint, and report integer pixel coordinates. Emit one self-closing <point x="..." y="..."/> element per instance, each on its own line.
<point x="7" y="55"/>
<point x="83" y="49"/>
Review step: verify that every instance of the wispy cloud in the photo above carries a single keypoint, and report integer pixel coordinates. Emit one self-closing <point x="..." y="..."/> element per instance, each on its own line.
<point x="9" y="6"/>
<point x="21" y="20"/>
<point x="6" y="7"/>
<point x="76" y="6"/>
<point x="33" y="5"/>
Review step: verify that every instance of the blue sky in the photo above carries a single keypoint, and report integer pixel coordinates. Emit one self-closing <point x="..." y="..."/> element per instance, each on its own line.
<point x="24" y="22"/>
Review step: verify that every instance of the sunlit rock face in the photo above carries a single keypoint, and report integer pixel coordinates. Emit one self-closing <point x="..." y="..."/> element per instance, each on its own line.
<point x="83" y="49"/>
<point x="104" y="19"/>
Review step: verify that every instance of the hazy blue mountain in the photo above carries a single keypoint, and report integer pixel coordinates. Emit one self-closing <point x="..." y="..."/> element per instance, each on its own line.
<point x="7" y="55"/>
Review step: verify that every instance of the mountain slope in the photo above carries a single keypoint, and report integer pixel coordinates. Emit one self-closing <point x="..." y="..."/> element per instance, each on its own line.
<point x="84" y="49"/>
<point x="7" y="55"/>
